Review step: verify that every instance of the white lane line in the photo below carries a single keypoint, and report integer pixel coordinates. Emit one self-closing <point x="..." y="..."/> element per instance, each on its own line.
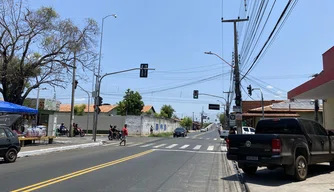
<point x="184" y="146"/>
<point x="187" y="137"/>
<point x="223" y="148"/>
<point x="147" y="145"/>
<point x="210" y="148"/>
<point x="137" y="144"/>
<point x="171" y="146"/>
<point x="159" y="146"/>
<point x="207" y="138"/>
<point x="197" y="147"/>
<point x="215" y="139"/>
<point x="201" y="138"/>
<point x="110" y="144"/>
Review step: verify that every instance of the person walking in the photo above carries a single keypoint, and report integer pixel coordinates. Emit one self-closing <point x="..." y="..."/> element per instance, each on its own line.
<point x="124" y="134"/>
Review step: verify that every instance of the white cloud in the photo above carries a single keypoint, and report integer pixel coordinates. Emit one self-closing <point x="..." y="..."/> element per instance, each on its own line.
<point x="270" y="87"/>
<point x="278" y="92"/>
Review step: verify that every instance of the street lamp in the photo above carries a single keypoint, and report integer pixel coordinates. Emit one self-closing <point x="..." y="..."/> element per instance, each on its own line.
<point x="88" y="94"/>
<point x="211" y="53"/>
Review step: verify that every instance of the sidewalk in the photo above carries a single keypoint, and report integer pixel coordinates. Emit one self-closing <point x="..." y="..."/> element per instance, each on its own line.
<point x="67" y="143"/>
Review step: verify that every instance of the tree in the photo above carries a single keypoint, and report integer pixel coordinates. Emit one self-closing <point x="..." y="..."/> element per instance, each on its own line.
<point x="131" y="104"/>
<point x="221" y="118"/>
<point x="167" y="111"/>
<point x="186" y="122"/>
<point x="79" y="110"/>
<point x="37" y="47"/>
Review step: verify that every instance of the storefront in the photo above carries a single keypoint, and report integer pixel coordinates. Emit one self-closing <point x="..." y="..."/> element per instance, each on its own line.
<point x="320" y="87"/>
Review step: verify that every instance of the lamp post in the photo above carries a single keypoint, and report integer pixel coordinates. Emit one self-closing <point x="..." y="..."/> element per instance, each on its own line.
<point x="88" y="94"/>
<point x="96" y="92"/>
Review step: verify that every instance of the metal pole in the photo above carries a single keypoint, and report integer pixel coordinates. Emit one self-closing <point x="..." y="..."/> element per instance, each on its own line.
<point x="72" y="98"/>
<point x="88" y="112"/>
<point x="37" y="105"/>
<point x="316" y="109"/>
<point x="262" y="103"/>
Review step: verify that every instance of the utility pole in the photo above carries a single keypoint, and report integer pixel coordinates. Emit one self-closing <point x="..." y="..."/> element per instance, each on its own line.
<point x="227" y="110"/>
<point x="193" y="120"/>
<point x="72" y="98"/>
<point x="202" y="113"/>
<point x="238" y="98"/>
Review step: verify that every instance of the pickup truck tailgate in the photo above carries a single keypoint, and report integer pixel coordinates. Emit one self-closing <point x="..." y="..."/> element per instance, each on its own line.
<point x="255" y="145"/>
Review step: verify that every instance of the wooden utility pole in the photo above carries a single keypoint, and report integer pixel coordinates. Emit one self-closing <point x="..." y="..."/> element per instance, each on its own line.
<point x="238" y="98"/>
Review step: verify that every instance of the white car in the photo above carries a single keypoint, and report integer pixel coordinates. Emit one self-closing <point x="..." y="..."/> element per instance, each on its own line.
<point x="224" y="134"/>
<point x="203" y="130"/>
<point x="248" y="130"/>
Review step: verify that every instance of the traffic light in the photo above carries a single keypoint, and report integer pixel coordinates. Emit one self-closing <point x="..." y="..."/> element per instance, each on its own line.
<point x="195" y="95"/>
<point x="143" y="70"/>
<point x="75" y="84"/>
<point x="99" y="101"/>
<point x="250" y="90"/>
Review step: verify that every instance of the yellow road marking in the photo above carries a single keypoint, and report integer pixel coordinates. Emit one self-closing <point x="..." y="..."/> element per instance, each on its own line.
<point x="78" y="173"/>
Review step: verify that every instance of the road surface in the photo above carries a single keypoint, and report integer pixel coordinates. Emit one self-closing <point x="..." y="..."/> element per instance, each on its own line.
<point x="196" y="163"/>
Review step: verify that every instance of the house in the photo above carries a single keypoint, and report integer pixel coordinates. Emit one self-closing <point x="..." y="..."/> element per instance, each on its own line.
<point x="320" y="87"/>
<point x="247" y="105"/>
<point x="298" y="108"/>
<point x="109" y="110"/>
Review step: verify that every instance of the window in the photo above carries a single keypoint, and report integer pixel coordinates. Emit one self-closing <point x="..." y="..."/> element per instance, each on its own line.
<point x="308" y="126"/>
<point x="246" y="129"/>
<point x="278" y="126"/>
<point x="2" y="133"/>
<point x="318" y="129"/>
<point x="9" y="133"/>
<point x="252" y="130"/>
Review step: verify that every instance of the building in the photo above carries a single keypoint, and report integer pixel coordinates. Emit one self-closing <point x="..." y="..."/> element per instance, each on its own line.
<point x="321" y="87"/>
<point x="298" y="108"/>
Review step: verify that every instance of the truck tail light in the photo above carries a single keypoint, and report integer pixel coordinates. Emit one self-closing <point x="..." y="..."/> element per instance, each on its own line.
<point x="227" y="143"/>
<point x="276" y="145"/>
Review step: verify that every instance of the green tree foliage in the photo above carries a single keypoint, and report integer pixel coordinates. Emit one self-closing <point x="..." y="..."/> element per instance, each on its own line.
<point x="131" y="104"/>
<point x="221" y="118"/>
<point x="79" y="110"/>
<point x="167" y="111"/>
<point x="186" y="122"/>
<point x="37" y="48"/>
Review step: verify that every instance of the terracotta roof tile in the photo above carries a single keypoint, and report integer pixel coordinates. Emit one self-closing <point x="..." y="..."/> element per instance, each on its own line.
<point x="270" y="115"/>
<point x="247" y="105"/>
<point x="146" y="108"/>
<point x="104" y="108"/>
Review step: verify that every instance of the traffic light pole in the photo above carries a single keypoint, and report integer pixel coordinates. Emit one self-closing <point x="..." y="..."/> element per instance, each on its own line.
<point x="97" y="95"/>
<point x="238" y="97"/>
<point x="72" y="97"/>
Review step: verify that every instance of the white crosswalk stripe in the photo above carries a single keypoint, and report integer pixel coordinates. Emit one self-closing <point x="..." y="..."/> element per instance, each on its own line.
<point x="215" y="139"/>
<point x="201" y="138"/>
<point x="207" y="138"/>
<point x="159" y="146"/>
<point x="147" y="145"/>
<point x="210" y="148"/>
<point x="171" y="146"/>
<point x="197" y="147"/>
<point x="184" y="146"/>
<point x="223" y="148"/>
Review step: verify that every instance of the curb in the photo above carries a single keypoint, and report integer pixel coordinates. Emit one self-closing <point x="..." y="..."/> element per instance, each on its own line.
<point x="243" y="184"/>
<point x="57" y="149"/>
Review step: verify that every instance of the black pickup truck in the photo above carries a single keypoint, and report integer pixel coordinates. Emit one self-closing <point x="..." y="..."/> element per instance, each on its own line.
<point x="291" y="143"/>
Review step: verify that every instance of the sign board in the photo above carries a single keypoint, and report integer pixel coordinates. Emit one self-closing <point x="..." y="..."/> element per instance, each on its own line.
<point x="232" y="120"/>
<point x="214" y="106"/>
<point x="237" y="109"/>
<point x="232" y="117"/>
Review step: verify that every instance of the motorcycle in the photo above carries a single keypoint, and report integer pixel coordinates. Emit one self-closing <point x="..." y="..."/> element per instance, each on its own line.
<point x="115" y="135"/>
<point x="79" y="131"/>
<point x="63" y="131"/>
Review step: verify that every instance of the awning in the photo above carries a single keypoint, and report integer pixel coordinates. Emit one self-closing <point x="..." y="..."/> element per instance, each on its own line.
<point x="7" y="107"/>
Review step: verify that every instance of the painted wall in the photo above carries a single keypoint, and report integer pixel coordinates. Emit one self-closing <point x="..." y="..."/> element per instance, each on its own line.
<point x="329" y="113"/>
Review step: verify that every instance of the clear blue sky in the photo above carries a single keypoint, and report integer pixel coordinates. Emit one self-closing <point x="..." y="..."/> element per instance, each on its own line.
<point x="172" y="35"/>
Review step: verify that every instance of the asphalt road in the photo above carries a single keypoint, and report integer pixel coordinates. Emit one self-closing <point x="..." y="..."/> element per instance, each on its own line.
<point x="195" y="163"/>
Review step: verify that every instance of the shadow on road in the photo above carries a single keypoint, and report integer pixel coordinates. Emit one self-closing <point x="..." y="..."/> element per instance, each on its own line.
<point x="278" y="177"/>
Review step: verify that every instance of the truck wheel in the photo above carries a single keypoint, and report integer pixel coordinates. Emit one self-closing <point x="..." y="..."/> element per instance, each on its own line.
<point x="11" y="155"/>
<point x="301" y="168"/>
<point x="250" y="170"/>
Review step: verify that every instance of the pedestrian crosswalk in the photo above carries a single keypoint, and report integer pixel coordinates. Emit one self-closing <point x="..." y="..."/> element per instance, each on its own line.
<point x="170" y="146"/>
<point x="204" y="138"/>
<point x="221" y="148"/>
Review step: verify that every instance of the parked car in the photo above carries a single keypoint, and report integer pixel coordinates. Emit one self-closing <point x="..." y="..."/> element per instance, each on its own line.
<point x="248" y="130"/>
<point x="224" y="134"/>
<point x="203" y="130"/>
<point x="180" y="132"/>
<point x="291" y="143"/>
<point x="9" y="142"/>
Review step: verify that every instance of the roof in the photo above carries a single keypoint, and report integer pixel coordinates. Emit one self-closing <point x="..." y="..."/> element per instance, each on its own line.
<point x="147" y="108"/>
<point x="295" y="106"/>
<point x="247" y="105"/>
<point x="103" y="108"/>
<point x="270" y="115"/>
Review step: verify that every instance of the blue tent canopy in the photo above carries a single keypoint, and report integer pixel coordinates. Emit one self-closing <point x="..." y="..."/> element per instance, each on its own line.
<point x="7" y="107"/>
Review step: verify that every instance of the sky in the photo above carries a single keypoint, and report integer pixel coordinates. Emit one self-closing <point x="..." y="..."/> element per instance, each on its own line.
<point x="172" y="36"/>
